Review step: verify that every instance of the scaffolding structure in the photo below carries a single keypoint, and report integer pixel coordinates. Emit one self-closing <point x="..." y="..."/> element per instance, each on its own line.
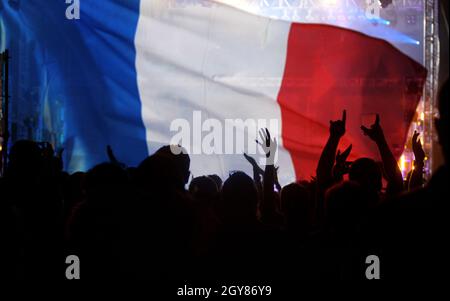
<point x="431" y="62"/>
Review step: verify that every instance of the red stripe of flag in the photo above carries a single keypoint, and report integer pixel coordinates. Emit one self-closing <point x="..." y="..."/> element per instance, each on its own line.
<point x="329" y="69"/>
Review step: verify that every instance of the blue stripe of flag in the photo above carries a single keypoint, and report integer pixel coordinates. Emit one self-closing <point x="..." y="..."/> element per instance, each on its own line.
<point x="88" y="65"/>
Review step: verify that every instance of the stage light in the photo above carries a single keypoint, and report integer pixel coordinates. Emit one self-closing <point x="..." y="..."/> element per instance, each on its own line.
<point x="383" y="21"/>
<point x="402" y="164"/>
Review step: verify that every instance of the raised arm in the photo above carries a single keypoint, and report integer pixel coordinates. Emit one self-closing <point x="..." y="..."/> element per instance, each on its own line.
<point x="327" y="158"/>
<point x="268" y="206"/>
<point x="112" y="158"/>
<point x="277" y="183"/>
<point x="416" y="179"/>
<point x="392" y="171"/>
<point x="258" y="172"/>
<point x="342" y="166"/>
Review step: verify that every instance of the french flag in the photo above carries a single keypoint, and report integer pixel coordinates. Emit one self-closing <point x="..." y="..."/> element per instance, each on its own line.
<point x="126" y="69"/>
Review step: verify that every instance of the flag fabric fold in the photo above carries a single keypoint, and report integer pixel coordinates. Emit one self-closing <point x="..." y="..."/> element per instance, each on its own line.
<point x="126" y="70"/>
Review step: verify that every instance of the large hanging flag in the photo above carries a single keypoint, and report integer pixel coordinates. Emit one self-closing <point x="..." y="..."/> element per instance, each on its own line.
<point x="141" y="74"/>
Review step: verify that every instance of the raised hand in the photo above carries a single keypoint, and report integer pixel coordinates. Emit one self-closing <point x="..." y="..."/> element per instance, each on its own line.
<point x="392" y="171"/>
<point x="112" y="158"/>
<point x="341" y="158"/>
<point x="328" y="156"/>
<point x="416" y="178"/>
<point x="419" y="154"/>
<point x="337" y="128"/>
<point x="268" y="145"/>
<point x="375" y="132"/>
<point x="268" y="205"/>
<point x="255" y="165"/>
<point x="342" y="166"/>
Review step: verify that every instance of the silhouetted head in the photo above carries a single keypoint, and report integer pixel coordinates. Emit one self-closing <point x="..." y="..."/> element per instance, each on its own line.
<point x="239" y="198"/>
<point x="180" y="161"/>
<point x="346" y="206"/>
<point x="295" y="204"/>
<point x="155" y="173"/>
<point x="217" y="180"/>
<point x="366" y="173"/>
<point x="442" y="123"/>
<point x="106" y="184"/>
<point x="25" y="159"/>
<point x="132" y="173"/>
<point x="77" y="184"/>
<point x="203" y="189"/>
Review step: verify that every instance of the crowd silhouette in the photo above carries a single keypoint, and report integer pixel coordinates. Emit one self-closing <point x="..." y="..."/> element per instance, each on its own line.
<point x="142" y="223"/>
